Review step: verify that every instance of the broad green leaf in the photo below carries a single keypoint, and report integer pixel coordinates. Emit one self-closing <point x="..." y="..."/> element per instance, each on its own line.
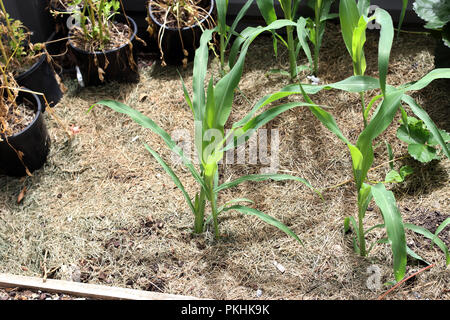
<point x="422" y="152"/>
<point x="419" y="112"/>
<point x="385" y="200"/>
<point x="266" y="218"/>
<point x="426" y="233"/>
<point x="435" y="12"/>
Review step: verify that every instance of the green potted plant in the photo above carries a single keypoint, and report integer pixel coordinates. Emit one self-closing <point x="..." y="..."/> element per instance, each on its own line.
<point x="27" y="62"/>
<point x="437" y="15"/>
<point x="177" y="25"/>
<point x="102" y="43"/>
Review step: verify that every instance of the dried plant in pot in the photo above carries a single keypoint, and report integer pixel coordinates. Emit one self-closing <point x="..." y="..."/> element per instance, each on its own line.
<point x="27" y="62"/>
<point x="24" y="139"/>
<point x="102" y="43"/>
<point x="177" y="26"/>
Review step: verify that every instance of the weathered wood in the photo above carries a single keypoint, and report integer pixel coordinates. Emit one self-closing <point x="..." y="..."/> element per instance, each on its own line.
<point x="86" y="290"/>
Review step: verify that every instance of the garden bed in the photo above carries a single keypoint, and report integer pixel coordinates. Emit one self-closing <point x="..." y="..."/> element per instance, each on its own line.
<point x="103" y="208"/>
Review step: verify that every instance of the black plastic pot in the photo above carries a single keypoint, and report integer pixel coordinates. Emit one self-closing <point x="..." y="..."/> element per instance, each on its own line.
<point x="171" y="44"/>
<point x="41" y="78"/>
<point x="34" y="14"/>
<point x="33" y="142"/>
<point x="441" y="55"/>
<point x="119" y="67"/>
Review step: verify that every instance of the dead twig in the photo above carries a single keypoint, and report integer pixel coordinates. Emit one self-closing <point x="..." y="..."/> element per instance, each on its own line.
<point x="404" y="280"/>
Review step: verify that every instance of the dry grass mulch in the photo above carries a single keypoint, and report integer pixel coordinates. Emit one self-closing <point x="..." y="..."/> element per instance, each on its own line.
<point x="103" y="209"/>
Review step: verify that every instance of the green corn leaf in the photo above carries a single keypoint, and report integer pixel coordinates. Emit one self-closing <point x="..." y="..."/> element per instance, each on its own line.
<point x="349" y="17"/>
<point x="199" y="74"/>
<point x="402" y="16"/>
<point x="384" y="45"/>
<point x="267" y="10"/>
<point x="266" y="218"/>
<point x="364" y="198"/>
<point x="347" y="222"/>
<point x="238" y="18"/>
<point x="172" y="174"/>
<point x="441" y="73"/>
<point x="441" y="227"/>
<point x="411" y="253"/>
<point x="262" y="177"/>
<point x="427" y="234"/>
<point x="358" y="40"/>
<point x="302" y="34"/>
<point x="363" y="7"/>
<point x="186" y="95"/>
<point x="385" y="200"/>
<point x="237" y="200"/>
<point x="222" y="7"/>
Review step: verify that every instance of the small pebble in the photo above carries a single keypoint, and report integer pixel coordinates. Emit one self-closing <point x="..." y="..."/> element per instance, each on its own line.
<point x="259" y="293"/>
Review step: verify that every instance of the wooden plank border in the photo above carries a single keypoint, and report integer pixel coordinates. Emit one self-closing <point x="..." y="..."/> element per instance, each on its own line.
<point x="86" y="290"/>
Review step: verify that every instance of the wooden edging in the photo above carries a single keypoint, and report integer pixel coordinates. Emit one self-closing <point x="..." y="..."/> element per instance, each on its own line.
<point x="86" y="290"/>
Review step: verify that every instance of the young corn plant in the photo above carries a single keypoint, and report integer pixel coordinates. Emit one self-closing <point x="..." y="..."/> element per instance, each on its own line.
<point x="226" y="32"/>
<point x="316" y="27"/>
<point x="289" y="8"/>
<point x="211" y="112"/>
<point x="389" y="102"/>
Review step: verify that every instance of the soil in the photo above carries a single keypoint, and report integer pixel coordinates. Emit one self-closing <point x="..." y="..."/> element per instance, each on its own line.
<point x="431" y="220"/>
<point x="198" y="11"/>
<point x="120" y="34"/>
<point x="19" y="117"/>
<point x="102" y="210"/>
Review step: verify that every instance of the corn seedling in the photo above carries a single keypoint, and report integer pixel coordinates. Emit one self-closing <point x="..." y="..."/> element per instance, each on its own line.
<point x="226" y="32"/>
<point x="316" y="27"/>
<point x="211" y="112"/>
<point x="289" y="8"/>
<point x="389" y="102"/>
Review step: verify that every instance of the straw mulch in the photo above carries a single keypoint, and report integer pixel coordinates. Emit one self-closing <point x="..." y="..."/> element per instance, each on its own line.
<point x="103" y="211"/>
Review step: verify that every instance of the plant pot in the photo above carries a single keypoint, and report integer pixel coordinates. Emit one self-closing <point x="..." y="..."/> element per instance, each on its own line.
<point x="119" y="67"/>
<point x="441" y="55"/>
<point x="41" y="78"/>
<point x="171" y="44"/>
<point x="33" y="142"/>
<point x="34" y="14"/>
